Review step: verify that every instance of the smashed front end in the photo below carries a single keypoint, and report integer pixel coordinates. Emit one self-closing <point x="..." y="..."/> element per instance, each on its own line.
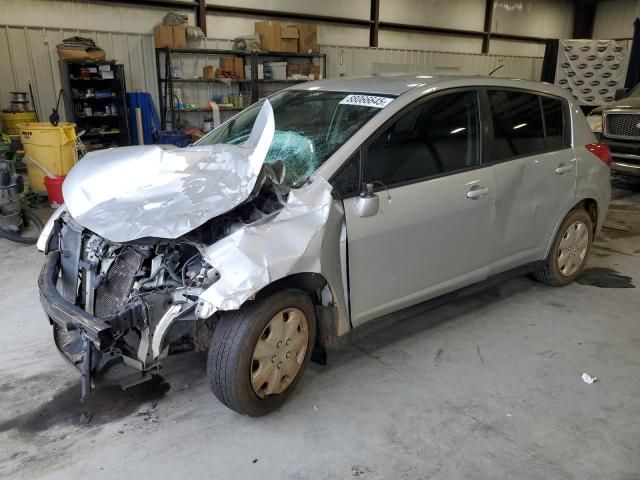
<point x="133" y="302"/>
<point x="154" y="242"/>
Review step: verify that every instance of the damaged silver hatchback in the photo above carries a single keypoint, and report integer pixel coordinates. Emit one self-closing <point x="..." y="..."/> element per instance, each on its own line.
<point x="313" y="212"/>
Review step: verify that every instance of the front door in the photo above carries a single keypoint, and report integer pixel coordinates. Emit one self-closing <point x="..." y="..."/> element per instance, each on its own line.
<point x="432" y="232"/>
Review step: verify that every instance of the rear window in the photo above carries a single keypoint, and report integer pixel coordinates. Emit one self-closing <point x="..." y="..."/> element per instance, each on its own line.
<point x="526" y="123"/>
<point x="517" y="124"/>
<point x="554" y="123"/>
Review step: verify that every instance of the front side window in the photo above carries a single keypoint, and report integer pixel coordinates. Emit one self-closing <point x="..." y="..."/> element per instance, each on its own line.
<point x="517" y="124"/>
<point x="310" y="127"/>
<point x="439" y="136"/>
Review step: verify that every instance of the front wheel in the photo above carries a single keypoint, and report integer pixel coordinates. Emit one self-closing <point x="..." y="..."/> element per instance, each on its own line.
<point x="258" y="353"/>
<point x="569" y="251"/>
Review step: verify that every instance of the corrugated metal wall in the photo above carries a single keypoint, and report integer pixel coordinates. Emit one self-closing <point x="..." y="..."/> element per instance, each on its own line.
<point x="361" y="61"/>
<point x="30" y="56"/>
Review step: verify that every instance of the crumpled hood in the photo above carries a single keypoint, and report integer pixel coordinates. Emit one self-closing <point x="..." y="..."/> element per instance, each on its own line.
<point x="129" y="193"/>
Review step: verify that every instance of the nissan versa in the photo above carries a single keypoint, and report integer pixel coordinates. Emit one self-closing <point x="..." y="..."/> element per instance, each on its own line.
<point x="311" y="213"/>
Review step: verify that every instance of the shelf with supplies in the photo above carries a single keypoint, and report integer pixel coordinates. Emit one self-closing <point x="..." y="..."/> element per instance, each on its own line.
<point x="197" y="76"/>
<point x="95" y="100"/>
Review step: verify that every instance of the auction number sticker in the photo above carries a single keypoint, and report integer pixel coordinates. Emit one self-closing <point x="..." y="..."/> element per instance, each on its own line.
<point x="366" y="101"/>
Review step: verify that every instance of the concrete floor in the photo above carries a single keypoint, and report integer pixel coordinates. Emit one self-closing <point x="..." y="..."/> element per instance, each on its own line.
<point x="487" y="387"/>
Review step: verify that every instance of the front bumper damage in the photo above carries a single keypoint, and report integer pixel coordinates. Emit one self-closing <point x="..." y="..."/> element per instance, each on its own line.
<point x="82" y="339"/>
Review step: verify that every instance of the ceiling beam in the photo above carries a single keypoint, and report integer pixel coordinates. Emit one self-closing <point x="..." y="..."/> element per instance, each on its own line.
<point x="258" y="12"/>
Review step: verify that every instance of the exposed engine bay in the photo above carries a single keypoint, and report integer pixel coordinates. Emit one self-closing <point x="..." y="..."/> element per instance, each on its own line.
<point x="147" y="290"/>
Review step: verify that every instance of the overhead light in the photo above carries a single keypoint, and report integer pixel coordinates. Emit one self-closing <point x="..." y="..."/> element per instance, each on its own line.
<point x="458" y="130"/>
<point x="519" y="126"/>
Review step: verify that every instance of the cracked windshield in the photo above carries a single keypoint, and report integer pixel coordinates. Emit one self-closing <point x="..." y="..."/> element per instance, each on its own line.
<point x="310" y="127"/>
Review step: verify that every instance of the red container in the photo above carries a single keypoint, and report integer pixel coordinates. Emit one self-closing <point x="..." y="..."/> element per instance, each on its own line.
<point x="54" y="190"/>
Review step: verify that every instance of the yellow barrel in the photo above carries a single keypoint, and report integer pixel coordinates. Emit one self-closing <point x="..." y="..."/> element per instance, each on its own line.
<point x="52" y="147"/>
<point x="11" y="120"/>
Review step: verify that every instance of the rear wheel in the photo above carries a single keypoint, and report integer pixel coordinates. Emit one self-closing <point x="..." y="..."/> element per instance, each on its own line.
<point x="569" y="251"/>
<point x="258" y="353"/>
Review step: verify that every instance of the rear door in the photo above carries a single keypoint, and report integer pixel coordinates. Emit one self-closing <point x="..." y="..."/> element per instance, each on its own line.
<point x="535" y="171"/>
<point x="432" y="233"/>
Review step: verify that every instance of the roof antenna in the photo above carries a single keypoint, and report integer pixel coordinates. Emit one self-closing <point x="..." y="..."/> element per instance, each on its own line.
<point x="496" y="69"/>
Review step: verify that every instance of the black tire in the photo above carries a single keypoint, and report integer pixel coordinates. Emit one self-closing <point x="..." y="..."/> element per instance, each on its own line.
<point x="16" y="237"/>
<point x="549" y="272"/>
<point x="232" y="346"/>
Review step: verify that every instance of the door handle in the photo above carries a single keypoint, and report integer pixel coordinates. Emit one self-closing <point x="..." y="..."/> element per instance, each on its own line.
<point x="564" y="168"/>
<point x="477" y="191"/>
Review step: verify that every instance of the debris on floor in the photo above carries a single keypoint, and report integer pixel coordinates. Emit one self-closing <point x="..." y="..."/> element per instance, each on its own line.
<point x="588" y="379"/>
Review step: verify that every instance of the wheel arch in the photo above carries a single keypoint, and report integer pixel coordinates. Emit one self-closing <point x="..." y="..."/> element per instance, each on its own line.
<point x="590" y="205"/>
<point x="322" y="295"/>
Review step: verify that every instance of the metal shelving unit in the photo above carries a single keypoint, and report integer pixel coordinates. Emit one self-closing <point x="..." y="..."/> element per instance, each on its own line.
<point x="280" y="56"/>
<point x="103" y="129"/>
<point x="167" y="84"/>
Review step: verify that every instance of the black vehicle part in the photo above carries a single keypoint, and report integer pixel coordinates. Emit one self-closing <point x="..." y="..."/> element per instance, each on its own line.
<point x="99" y="329"/>
<point x="16" y="236"/>
<point x="113" y="292"/>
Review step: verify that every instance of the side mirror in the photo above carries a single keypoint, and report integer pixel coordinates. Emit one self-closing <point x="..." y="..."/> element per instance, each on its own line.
<point x="368" y="203"/>
<point x="620" y="93"/>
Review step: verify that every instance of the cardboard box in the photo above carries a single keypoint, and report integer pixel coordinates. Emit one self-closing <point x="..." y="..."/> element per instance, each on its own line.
<point x="227" y="65"/>
<point x="270" y="36"/>
<point x="179" y="37"/>
<point x="163" y="36"/>
<point x="238" y="67"/>
<point x="289" y="39"/>
<point x="70" y="53"/>
<point x="209" y="72"/>
<point x="308" y="38"/>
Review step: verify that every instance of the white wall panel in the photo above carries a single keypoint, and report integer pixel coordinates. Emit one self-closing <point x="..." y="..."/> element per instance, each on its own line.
<point x="428" y="41"/>
<point x="350" y="61"/>
<point x="535" y="18"/>
<point x="82" y="14"/>
<point x="517" y="48"/>
<point x="460" y="14"/>
<point x="333" y="8"/>
<point x="614" y="19"/>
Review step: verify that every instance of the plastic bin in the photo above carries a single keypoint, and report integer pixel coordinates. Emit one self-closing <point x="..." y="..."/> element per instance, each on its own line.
<point x="54" y="190"/>
<point x="52" y="147"/>
<point x="174" y="137"/>
<point x="11" y="121"/>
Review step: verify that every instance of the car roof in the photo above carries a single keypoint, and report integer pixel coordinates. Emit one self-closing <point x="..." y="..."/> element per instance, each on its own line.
<point x="398" y="84"/>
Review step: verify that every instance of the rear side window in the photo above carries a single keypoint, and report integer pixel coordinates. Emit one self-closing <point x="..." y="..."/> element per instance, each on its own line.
<point x="554" y="123"/>
<point x="439" y="136"/>
<point x="517" y="124"/>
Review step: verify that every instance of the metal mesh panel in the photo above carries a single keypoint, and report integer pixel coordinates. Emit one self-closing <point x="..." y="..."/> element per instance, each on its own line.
<point x="624" y="125"/>
<point x="114" y="291"/>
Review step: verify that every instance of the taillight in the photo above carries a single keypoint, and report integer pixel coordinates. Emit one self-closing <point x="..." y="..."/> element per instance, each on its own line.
<point x="600" y="150"/>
